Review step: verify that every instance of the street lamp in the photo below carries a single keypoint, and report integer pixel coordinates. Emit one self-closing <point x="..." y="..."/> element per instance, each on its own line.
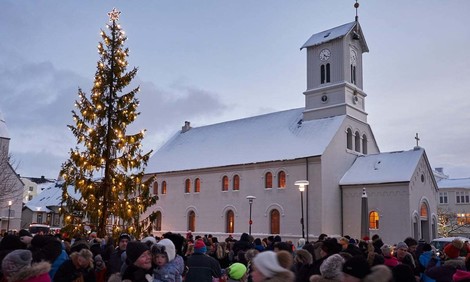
<point x="250" y="201"/>
<point x="9" y="210"/>
<point x="302" y="184"/>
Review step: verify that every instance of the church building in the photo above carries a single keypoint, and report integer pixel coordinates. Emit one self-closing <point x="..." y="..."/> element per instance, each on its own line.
<point x="239" y="176"/>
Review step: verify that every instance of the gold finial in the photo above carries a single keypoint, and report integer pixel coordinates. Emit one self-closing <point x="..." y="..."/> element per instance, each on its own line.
<point x="114" y="15"/>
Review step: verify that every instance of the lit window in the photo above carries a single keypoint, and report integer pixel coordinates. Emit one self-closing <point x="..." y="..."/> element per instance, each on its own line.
<point x="197" y="185"/>
<point x="281" y="179"/>
<point x="463" y="218"/>
<point x="164" y="187"/>
<point x="225" y="183"/>
<point x="268" y="180"/>
<point x="187" y="186"/>
<point x="374" y="220"/>
<point x="230" y="222"/>
<point x="236" y="182"/>
<point x="423" y="212"/>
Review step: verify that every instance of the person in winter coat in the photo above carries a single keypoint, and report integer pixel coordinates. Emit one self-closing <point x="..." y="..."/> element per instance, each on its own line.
<point x="201" y="267"/>
<point x="424" y="260"/>
<point x="139" y="262"/>
<point x="163" y="257"/>
<point x="303" y="265"/>
<point x="268" y="267"/>
<point x="449" y="266"/>
<point x="389" y="259"/>
<point x="114" y="264"/>
<point x="78" y="268"/>
<point x="237" y="272"/>
<point x="330" y="270"/>
<point x="16" y="267"/>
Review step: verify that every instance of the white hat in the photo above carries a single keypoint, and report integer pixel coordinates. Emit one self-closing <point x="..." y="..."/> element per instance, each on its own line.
<point x="268" y="264"/>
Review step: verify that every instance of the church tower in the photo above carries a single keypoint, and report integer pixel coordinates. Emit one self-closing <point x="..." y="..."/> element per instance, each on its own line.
<point x="334" y="73"/>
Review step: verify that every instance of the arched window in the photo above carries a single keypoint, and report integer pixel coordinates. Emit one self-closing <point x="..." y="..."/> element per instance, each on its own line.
<point x="268" y="180"/>
<point x="374" y="220"/>
<point x="322" y="73"/>
<point x="281" y="179"/>
<point x="275" y="224"/>
<point x="230" y="222"/>
<point x="349" y="139"/>
<point x="225" y="183"/>
<point x="155" y="188"/>
<point x="364" y="144"/>
<point x="164" y="187"/>
<point x="357" y="142"/>
<point x="327" y="73"/>
<point x="192" y="221"/>
<point x="197" y="185"/>
<point x="158" y="221"/>
<point x="187" y="186"/>
<point x="236" y="182"/>
<point x="423" y="211"/>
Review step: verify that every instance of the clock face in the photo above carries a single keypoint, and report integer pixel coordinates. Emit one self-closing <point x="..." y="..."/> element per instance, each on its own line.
<point x="325" y="54"/>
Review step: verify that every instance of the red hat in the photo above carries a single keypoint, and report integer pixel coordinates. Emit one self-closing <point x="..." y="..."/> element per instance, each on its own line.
<point x="366" y="238"/>
<point x="452" y="250"/>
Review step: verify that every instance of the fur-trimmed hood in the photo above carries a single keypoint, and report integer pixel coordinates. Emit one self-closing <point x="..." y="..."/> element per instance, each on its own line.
<point x="285" y="276"/>
<point x="458" y="263"/>
<point x="34" y="270"/>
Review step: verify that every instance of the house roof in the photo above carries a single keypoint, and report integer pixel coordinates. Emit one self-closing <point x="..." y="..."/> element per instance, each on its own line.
<point x="270" y="137"/>
<point x="383" y="168"/>
<point x="50" y="197"/>
<point x="335" y="33"/>
<point x="3" y="128"/>
<point x="454" y="183"/>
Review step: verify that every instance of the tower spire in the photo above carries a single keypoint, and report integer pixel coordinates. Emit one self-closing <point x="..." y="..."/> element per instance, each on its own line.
<point x="356" y="5"/>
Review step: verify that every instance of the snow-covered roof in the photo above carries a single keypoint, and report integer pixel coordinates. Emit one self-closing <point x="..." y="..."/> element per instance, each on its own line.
<point x="383" y="168"/>
<point x="334" y="33"/>
<point x="3" y="128"/>
<point x="454" y="183"/>
<point x="50" y="197"/>
<point x="270" y="137"/>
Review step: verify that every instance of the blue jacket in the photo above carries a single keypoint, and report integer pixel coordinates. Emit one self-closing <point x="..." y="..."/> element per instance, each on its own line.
<point x="424" y="260"/>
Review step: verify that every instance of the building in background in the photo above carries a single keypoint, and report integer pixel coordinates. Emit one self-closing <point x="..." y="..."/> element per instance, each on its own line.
<point x="205" y="174"/>
<point x="11" y="186"/>
<point x="34" y="185"/>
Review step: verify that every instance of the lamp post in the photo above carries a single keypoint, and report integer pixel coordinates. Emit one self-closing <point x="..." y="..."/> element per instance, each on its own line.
<point x="250" y="201"/>
<point x="9" y="210"/>
<point x="302" y="184"/>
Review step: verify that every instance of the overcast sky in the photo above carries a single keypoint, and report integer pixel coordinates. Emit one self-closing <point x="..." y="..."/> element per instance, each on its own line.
<point x="210" y="61"/>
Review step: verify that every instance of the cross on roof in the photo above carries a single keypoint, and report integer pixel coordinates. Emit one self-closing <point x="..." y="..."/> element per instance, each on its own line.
<point x="417" y="140"/>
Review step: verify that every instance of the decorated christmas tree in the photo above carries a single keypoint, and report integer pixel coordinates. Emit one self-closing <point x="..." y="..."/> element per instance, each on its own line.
<point x="107" y="166"/>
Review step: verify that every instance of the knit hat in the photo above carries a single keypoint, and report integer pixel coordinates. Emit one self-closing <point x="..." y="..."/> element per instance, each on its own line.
<point x="331" y="267"/>
<point x="24" y="232"/>
<point x="149" y="240"/>
<point x="236" y="271"/>
<point x="124" y="236"/>
<point x="357" y="266"/>
<point x="304" y="257"/>
<point x="386" y="250"/>
<point x="461" y="276"/>
<point x="200" y="247"/>
<point x="134" y="250"/>
<point x="452" y="250"/>
<point x="402" y="245"/>
<point x="15" y="261"/>
<point x="267" y="263"/>
<point x="166" y="247"/>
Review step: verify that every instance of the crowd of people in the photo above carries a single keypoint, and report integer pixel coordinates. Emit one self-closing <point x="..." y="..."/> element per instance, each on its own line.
<point x="175" y="258"/>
